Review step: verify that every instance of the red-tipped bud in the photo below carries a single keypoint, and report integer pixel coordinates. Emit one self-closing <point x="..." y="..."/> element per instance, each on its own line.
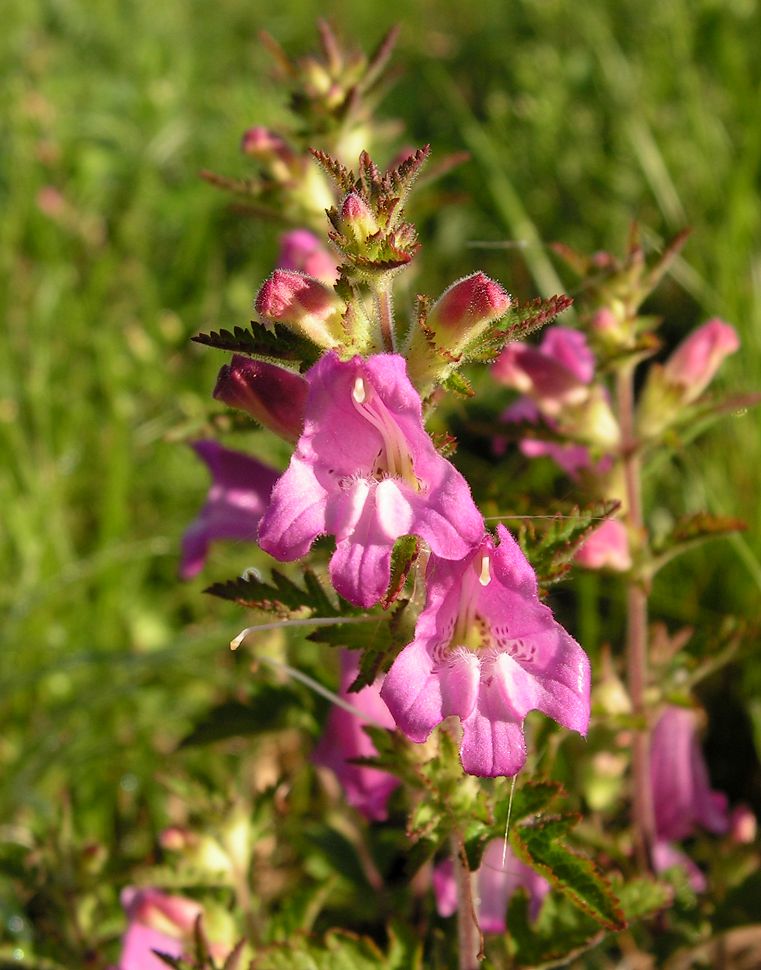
<point x="302" y="303"/>
<point x="301" y="250"/>
<point x="273" y="396"/>
<point x="357" y="218"/>
<point x="469" y="305"/>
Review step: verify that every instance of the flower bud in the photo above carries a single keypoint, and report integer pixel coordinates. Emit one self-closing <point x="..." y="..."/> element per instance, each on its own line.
<point x="273" y="151"/>
<point x="304" y="304"/>
<point x="466" y="309"/>
<point x="357" y="218"/>
<point x="685" y="375"/>
<point x="301" y="250"/>
<point x="696" y="360"/>
<point x="272" y="395"/>
<point x="606" y="548"/>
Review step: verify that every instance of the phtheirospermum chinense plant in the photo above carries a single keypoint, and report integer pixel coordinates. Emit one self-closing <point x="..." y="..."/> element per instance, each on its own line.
<point x="428" y="596"/>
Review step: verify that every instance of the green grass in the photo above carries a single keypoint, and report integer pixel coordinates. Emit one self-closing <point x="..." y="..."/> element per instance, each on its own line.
<point x="579" y="117"/>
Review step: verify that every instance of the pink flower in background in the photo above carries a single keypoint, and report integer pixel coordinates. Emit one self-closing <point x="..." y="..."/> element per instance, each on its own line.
<point x="156" y="922"/>
<point x="555" y="379"/>
<point x="238" y="496"/>
<point x="487" y="651"/>
<point x="367" y="789"/>
<point x="272" y="395"/>
<point x="695" y="361"/>
<point x="682" y="795"/>
<point x="365" y="471"/>
<point x="496" y="882"/>
<point x="302" y="250"/>
<point x="606" y="548"/>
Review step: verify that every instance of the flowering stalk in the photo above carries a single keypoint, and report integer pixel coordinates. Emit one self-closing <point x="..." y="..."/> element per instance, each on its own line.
<point x="636" y="624"/>
<point x="469" y="939"/>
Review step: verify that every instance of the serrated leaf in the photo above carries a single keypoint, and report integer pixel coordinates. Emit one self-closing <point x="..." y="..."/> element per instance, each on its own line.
<point x="339" y="173"/>
<point x="576" y="876"/>
<point x="279" y="344"/>
<point x="519" y="321"/>
<point x="282" y="596"/>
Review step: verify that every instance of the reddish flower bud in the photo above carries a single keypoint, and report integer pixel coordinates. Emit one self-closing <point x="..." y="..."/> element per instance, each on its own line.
<point x="467" y="307"/>
<point x="273" y="396"/>
<point x="272" y="150"/>
<point x="303" y="303"/>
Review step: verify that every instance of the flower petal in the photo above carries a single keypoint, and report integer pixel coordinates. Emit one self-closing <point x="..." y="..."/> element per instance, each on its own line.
<point x="412" y="692"/>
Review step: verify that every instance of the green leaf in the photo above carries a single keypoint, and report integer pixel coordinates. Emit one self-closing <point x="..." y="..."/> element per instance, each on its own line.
<point x="282" y="596"/>
<point x="519" y="321"/>
<point x="458" y="384"/>
<point x="560" y="933"/>
<point x="691" y="531"/>
<point x="576" y="876"/>
<point x="642" y="897"/>
<point x="279" y="344"/>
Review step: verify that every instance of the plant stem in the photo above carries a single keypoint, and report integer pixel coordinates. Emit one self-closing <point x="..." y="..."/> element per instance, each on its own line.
<point x="386" y="317"/>
<point x="636" y="627"/>
<point x="469" y="940"/>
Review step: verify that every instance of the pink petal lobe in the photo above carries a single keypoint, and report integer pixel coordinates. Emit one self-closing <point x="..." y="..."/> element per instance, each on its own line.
<point x="412" y="692"/>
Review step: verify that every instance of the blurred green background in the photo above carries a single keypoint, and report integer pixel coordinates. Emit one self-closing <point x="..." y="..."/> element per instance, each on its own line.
<point x="579" y="117"/>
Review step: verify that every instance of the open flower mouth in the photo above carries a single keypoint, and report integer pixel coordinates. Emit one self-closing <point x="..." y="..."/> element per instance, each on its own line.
<point x="393" y="460"/>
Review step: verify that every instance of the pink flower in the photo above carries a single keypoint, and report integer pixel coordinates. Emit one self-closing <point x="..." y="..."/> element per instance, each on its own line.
<point x="697" y="358"/>
<point x="367" y="789"/>
<point x="365" y="471"/>
<point x="606" y="548"/>
<point x="239" y="493"/>
<point x="496" y="882"/>
<point x="487" y="651"/>
<point x="682" y="795"/>
<point x="273" y="396"/>
<point x="556" y="379"/>
<point x="156" y="922"/>
<point x="301" y="250"/>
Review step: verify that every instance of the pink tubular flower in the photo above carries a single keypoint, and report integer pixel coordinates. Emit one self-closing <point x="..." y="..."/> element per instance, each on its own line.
<point x="301" y="250"/>
<point x="606" y="548"/>
<point x="556" y="379"/>
<point x="239" y="493"/>
<point x="697" y="358"/>
<point x="487" y="651"/>
<point x="367" y="789"/>
<point x="365" y="471"/>
<point x="496" y="882"/>
<point x="682" y="795"/>
<point x="272" y="395"/>
<point x="156" y="922"/>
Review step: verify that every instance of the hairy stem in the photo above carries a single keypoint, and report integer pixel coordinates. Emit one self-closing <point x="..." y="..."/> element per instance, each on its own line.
<point x="636" y="627"/>
<point x="469" y="940"/>
<point x="386" y="317"/>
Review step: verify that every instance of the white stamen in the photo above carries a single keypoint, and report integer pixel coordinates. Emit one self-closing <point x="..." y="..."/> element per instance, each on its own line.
<point x="485" y="577"/>
<point x="358" y="392"/>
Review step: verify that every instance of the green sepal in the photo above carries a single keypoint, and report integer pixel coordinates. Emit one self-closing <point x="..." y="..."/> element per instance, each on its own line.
<point x="519" y="321"/>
